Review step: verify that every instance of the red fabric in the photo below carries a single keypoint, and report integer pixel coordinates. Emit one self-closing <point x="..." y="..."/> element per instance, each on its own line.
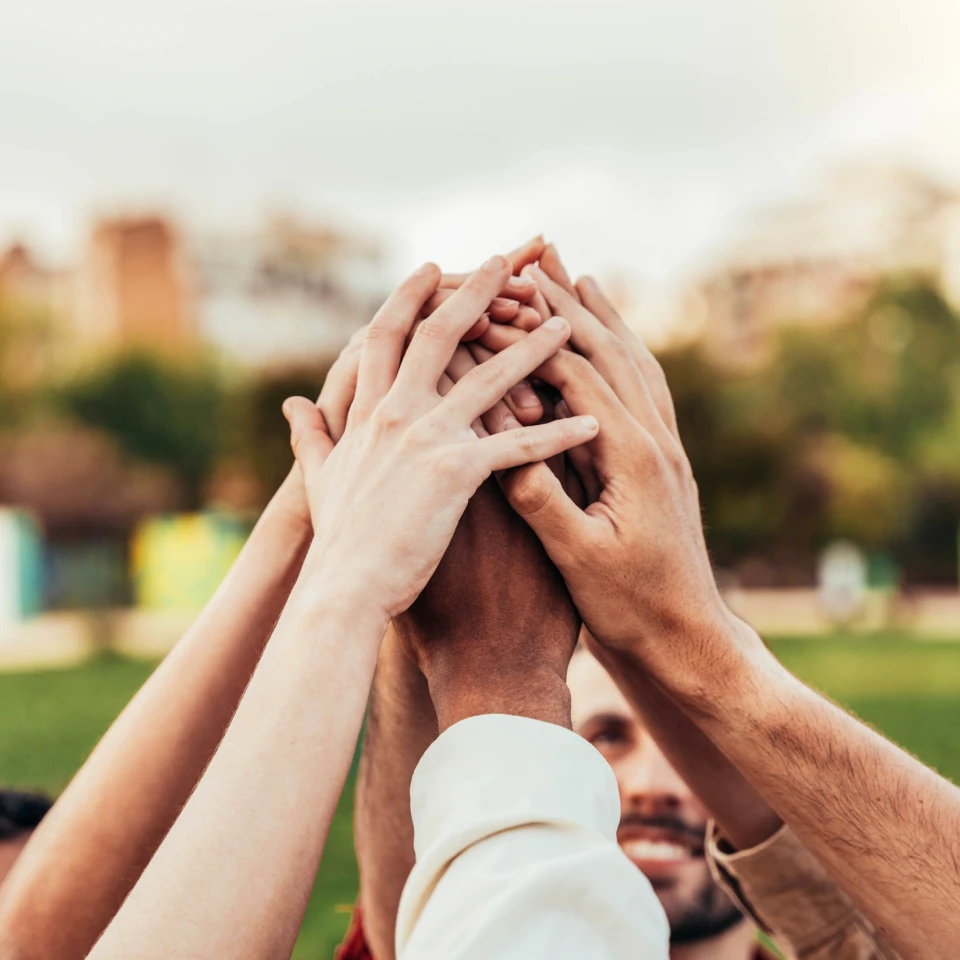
<point x="354" y="946"/>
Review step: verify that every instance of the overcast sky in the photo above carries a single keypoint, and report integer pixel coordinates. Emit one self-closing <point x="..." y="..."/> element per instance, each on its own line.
<point x="637" y="134"/>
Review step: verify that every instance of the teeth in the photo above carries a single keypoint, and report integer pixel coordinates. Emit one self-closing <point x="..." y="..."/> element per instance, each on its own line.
<point x="648" y="850"/>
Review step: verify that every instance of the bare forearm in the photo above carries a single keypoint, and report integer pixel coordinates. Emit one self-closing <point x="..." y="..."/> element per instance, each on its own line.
<point x="401" y="724"/>
<point x="261" y="812"/>
<point x="884" y="825"/>
<point x="91" y="849"/>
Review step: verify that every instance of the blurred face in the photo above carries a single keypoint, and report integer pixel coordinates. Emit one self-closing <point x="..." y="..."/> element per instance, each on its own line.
<point x="662" y="825"/>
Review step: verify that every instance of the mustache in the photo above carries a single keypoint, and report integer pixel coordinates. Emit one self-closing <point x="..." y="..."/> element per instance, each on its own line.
<point x="665" y="822"/>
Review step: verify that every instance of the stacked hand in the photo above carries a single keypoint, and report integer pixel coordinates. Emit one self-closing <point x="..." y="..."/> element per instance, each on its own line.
<point x="385" y="501"/>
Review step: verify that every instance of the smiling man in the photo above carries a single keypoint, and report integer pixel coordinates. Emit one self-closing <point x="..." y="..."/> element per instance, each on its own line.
<point x="663" y="826"/>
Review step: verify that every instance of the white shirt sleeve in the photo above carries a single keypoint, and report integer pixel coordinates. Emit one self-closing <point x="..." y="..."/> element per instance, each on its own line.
<point x="515" y="826"/>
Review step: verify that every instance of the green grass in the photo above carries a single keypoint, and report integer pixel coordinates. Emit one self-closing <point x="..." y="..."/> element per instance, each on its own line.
<point x="49" y="721"/>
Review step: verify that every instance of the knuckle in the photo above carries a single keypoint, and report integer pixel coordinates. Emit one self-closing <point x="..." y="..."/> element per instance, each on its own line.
<point x="431" y="329"/>
<point x="448" y="468"/>
<point x="477" y="286"/>
<point x="422" y="434"/>
<point x="572" y="365"/>
<point x="526" y="441"/>
<point x="491" y="374"/>
<point x="618" y="348"/>
<point x="528" y="495"/>
<point x="390" y="415"/>
<point x="375" y="330"/>
<point x="647" y="452"/>
<point x="675" y="457"/>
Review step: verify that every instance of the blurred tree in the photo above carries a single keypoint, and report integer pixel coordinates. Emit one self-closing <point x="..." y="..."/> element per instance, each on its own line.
<point x="159" y="410"/>
<point x="28" y="345"/>
<point x="852" y="430"/>
<point x="261" y="432"/>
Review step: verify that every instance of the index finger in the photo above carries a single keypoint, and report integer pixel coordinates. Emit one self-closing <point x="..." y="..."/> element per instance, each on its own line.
<point x="435" y="340"/>
<point x="522" y="289"/>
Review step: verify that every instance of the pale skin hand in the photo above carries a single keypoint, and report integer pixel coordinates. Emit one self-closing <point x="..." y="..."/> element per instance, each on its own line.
<point x="261" y="811"/>
<point x="637" y="567"/>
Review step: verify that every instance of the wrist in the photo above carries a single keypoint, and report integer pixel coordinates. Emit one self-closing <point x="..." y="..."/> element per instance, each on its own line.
<point x="458" y="693"/>
<point x="704" y="665"/>
<point x="340" y="594"/>
<point x="288" y="508"/>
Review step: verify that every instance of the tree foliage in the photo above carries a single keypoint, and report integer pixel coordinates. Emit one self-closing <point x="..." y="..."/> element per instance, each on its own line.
<point x="851" y="431"/>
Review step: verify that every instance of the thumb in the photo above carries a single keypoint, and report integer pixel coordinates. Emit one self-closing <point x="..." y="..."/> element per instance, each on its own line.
<point x="309" y="437"/>
<point x="537" y="495"/>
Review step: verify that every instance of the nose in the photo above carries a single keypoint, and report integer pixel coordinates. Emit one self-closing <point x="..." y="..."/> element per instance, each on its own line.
<point x="649" y="785"/>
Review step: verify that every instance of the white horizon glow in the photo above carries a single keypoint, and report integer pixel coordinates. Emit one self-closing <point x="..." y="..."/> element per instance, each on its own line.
<point x="637" y="135"/>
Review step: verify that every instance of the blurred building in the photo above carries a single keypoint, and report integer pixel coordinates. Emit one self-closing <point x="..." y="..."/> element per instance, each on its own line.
<point x="287" y="294"/>
<point x="25" y="281"/>
<point x="131" y="285"/>
<point x="814" y="261"/>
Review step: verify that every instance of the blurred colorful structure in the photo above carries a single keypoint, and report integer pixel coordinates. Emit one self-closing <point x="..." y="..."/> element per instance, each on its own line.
<point x="284" y="293"/>
<point x="21" y="572"/>
<point x="177" y="562"/>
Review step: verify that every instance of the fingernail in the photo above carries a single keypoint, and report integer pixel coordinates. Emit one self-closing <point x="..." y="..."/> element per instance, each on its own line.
<point x="592" y="284"/>
<point x="589" y="424"/>
<point x="556" y="323"/>
<point x="495" y="263"/>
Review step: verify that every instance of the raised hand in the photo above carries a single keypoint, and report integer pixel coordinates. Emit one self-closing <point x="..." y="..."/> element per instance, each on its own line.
<point x="635" y="560"/>
<point x="495" y="621"/>
<point x="386" y="501"/>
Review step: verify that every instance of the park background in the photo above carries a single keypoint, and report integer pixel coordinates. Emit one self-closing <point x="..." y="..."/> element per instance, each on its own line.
<point x="200" y="201"/>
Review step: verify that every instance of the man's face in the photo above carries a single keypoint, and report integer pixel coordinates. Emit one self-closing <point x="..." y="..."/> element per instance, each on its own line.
<point x="662" y="825"/>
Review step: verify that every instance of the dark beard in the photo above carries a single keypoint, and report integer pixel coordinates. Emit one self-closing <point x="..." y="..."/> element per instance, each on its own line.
<point x="709" y="915"/>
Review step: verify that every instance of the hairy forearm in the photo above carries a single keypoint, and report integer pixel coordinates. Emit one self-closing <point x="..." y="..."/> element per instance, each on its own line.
<point x="92" y="847"/>
<point x="401" y="724"/>
<point x="744" y="816"/>
<point x="884" y="825"/>
<point x="233" y="876"/>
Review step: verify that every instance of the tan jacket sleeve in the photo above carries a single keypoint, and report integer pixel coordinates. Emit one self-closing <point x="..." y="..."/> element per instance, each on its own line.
<point x="786" y="892"/>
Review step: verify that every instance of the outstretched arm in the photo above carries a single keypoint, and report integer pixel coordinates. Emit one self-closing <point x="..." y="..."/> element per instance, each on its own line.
<point x="91" y="848"/>
<point x="637" y="567"/>
<point x="233" y="874"/>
